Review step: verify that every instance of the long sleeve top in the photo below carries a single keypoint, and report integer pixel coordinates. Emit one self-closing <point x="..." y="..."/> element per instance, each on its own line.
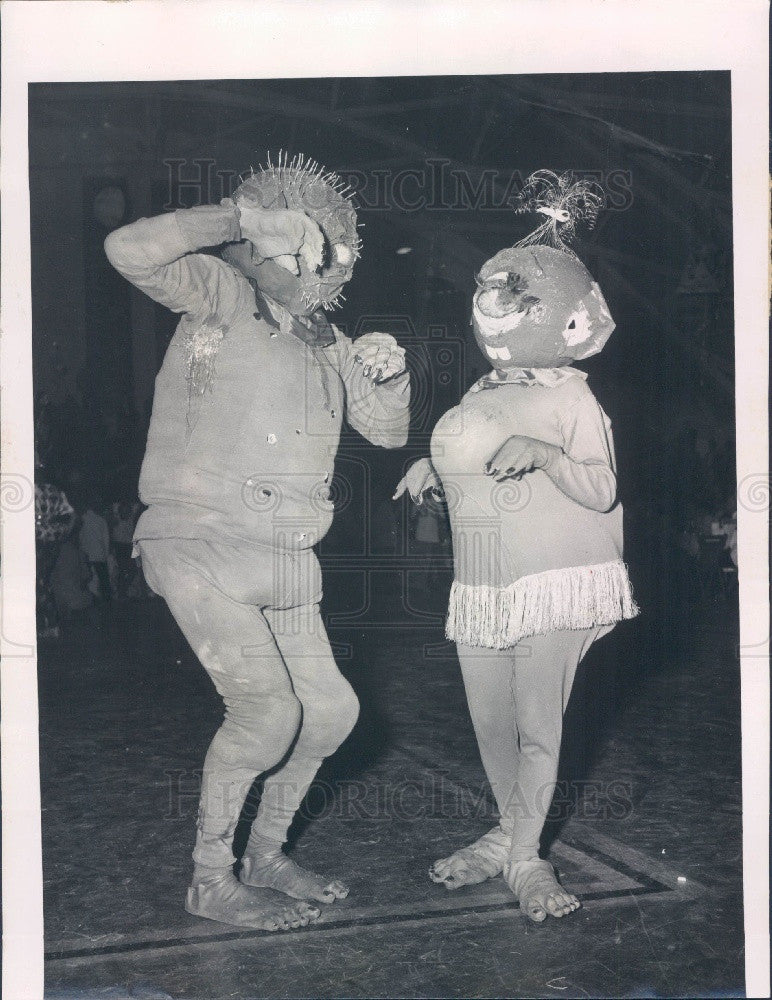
<point x="543" y="552"/>
<point x="251" y="457"/>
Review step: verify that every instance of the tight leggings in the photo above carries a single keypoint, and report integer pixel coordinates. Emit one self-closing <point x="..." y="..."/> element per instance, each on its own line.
<point x="517" y="698"/>
<point x="287" y="706"/>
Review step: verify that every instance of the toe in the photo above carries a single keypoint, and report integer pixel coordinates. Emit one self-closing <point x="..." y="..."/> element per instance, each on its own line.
<point x="560" y="904"/>
<point x="555" y="905"/>
<point x="339" y="889"/>
<point x="451" y="876"/>
<point x="536" y="912"/>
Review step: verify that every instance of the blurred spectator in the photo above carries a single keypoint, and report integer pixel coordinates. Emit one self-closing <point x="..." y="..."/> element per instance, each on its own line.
<point x="69" y="581"/>
<point x="123" y="518"/>
<point x="729" y="529"/>
<point x="95" y="544"/>
<point x="54" y="520"/>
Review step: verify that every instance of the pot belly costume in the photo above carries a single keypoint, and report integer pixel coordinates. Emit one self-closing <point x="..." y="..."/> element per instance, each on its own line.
<point x="245" y="426"/>
<point x="526" y="464"/>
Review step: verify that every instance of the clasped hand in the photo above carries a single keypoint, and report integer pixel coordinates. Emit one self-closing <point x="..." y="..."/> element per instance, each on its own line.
<point x="380" y="356"/>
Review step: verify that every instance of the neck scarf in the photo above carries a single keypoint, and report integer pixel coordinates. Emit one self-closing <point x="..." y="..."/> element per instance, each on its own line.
<point x="547" y="378"/>
<point x="313" y="330"/>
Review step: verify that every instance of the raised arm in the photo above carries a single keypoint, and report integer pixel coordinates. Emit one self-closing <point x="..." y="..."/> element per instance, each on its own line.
<point x="158" y="255"/>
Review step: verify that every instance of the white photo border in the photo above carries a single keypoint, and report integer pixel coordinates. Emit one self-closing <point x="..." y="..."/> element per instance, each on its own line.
<point x="236" y="39"/>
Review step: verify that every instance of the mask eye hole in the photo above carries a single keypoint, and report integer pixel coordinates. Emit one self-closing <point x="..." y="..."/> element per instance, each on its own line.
<point x="572" y="325"/>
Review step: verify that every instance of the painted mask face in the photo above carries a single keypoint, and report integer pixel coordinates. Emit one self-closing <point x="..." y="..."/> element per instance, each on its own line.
<point x="301" y="186"/>
<point x="537" y="307"/>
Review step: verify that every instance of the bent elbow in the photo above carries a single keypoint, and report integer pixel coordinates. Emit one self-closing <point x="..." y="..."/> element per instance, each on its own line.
<point x="116" y="247"/>
<point x="396" y="436"/>
<point x="607" y="495"/>
<point x="389" y="439"/>
<point x="398" y="440"/>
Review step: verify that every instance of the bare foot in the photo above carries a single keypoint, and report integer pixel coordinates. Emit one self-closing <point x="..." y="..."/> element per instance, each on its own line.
<point x="538" y="891"/>
<point x="277" y="871"/>
<point x="225" y="899"/>
<point x="483" y="859"/>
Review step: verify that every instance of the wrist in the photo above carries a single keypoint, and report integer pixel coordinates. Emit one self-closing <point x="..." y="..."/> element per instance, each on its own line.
<point x="208" y="225"/>
<point x="395" y="381"/>
<point x="548" y="455"/>
<point x="397" y="389"/>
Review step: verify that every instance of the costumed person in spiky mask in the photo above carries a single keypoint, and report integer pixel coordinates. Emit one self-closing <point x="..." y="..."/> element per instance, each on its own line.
<point x="237" y="478"/>
<point x="526" y="463"/>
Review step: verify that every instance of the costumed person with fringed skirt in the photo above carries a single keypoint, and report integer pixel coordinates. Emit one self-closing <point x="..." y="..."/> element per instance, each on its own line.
<point x="237" y="477"/>
<point x="526" y="464"/>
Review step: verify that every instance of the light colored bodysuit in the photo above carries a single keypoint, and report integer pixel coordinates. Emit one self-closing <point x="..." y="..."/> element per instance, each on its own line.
<point x="538" y="575"/>
<point x="237" y="479"/>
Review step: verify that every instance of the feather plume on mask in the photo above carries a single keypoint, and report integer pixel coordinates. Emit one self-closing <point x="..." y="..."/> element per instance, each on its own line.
<point x="564" y="201"/>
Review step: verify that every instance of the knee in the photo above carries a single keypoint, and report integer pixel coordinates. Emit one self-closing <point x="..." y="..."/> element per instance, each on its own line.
<point x="262" y="732"/>
<point x="283" y="718"/>
<point x="539" y="736"/>
<point x="328" y="720"/>
<point x="346" y="711"/>
<point x="494" y="729"/>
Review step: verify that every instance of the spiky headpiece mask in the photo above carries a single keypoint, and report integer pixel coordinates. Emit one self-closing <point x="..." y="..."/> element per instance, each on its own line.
<point x="301" y="184"/>
<point x="537" y="306"/>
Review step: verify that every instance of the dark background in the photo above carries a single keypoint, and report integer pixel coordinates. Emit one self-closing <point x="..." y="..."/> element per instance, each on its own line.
<point x="655" y="712"/>
<point x="660" y="144"/>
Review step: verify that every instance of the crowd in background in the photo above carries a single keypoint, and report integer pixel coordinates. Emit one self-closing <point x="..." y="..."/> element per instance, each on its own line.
<point x="705" y="518"/>
<point x="84" y="557"/>
<point x="85" y="523"/>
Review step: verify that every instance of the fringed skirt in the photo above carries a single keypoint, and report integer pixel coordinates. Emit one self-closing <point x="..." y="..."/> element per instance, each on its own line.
<point x="577" y="597"/>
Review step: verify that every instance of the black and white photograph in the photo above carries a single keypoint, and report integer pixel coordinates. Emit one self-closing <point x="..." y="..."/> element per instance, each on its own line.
<point x="384" y="503"/>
